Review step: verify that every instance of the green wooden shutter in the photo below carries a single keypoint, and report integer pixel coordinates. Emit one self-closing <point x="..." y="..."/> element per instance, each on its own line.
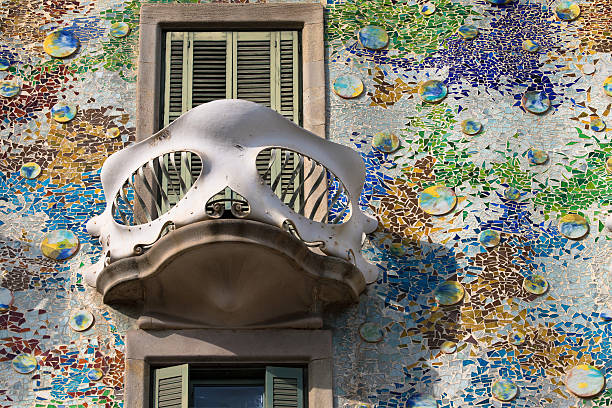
<point x="253" y="62"/>
<point x="211" y="70"/>
<point x="176" y="76"/>
<point x="171" y="387"/>
<point x="287" y="92"/>
<point x="266" y="71"/>
<point x="284" y="387"/>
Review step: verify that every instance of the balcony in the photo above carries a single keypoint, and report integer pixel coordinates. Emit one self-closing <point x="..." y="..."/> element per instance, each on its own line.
<point x="232" y="217"/>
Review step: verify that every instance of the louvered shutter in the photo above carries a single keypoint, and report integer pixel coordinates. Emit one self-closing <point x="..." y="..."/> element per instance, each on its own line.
<point x="266" y="72"/>
<point x="286" y="88"/>
<point x="176" y="72"/>
<point x="211" y="67"/>
<point x="171" y="387"/>
<point x="253" y="64"/>
<point x="284" y="387"/>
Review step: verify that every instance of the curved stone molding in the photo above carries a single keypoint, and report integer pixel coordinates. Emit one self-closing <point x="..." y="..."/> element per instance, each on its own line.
<point x="230" y="274"/>
<point x="228" y="135"/>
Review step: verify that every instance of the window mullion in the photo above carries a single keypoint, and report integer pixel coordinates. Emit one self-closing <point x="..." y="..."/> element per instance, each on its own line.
<point x="230" y="66"/>
<point x="188" y="64"/>
<point x="275" y="71"/>
<point x="234" y="62"/>
<point x="167" y="79"/>
<point x="296" y="79"/>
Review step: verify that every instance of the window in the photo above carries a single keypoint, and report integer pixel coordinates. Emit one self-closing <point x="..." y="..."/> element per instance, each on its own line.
<point x="201" y="67"/>
<point x="146" y="351"/>
<point x="262" y="67"/>
<point x="191" y="386"/>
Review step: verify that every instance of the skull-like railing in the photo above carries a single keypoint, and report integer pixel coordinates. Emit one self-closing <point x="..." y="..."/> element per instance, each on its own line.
<point x="233" y="154"/>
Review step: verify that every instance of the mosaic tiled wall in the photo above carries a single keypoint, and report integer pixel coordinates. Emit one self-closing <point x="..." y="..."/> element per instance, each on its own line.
<point x="490" y="284"/>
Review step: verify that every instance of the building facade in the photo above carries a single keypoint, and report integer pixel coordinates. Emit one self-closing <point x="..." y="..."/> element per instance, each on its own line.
<point x="482" y="129"/>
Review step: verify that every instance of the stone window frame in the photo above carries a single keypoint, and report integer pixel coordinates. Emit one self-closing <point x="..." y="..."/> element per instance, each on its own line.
<point x="157" y="18"/>
<point x="146" y="349"/>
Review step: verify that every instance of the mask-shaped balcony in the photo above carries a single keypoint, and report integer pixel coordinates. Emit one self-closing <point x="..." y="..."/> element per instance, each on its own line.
<point x="234" y="217"/>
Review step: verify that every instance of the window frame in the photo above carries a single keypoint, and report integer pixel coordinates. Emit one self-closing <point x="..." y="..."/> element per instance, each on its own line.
<point x="311" y="349"/>
<point x="155" y="19"/>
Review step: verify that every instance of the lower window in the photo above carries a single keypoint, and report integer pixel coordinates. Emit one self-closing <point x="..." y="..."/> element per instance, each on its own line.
<point x="189" y="386"/>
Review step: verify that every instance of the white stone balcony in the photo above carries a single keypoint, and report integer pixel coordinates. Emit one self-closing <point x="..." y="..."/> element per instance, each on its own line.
<point x="232" y="216"/>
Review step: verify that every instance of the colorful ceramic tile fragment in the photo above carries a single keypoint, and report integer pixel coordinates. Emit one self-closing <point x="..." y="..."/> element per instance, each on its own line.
<point x="449" y="293"/>
<point x="397" y="249"/>
<point x="385" y="142"/>
<point x="30" y="170"/>
<point x="468" y="31"/>
<point x="597" y="124"/>
<point x="428" y="9"/>
<point x="6" y="299"/>
<point x="348" y="86"/>
<point x="421" y="401"/>
<point x="585" y="381"/>
<point x="8" y="89"/>
<point x="4" y="64"/>
<point x="535" y="102"/>
<point x="373" y="37"/>
<point x="512" y="193"/>
<point x="60" y="244"/>
<point x="113" y="132"/>
<point x="573" y="226"/>
<point x="535" y="284"/>
<point x="371" y="332"/>
<point x="606" y="314"/>
<point x="499" y="2"/>
<point x="588" y="69"/>
<point x="81" y="320"/>
<point x="470" y="127"/>
<point x="489" y="238"/>
<point x="504" y="390"/>
<point x="448" y="347"/>
<point x="60" y="44"/>
<point x="437" y="200"/>
<point x="607" y="85"/>
<point x="432" y="91"/>
<point x="119" y="29"/>
<point x="567" y="10"/>
<point x="516" y="338"/>
<point x="95" y="374"/>
<point x="537" y="156"/>
<point x="531" y="46"/>
<point x="24" y="363"/>
<point x="63" y="112"/>
<point x="609" y="165"/>
<point x="388" y="242"/>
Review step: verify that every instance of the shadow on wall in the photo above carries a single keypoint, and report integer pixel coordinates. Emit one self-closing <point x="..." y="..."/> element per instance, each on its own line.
<point x="414" y="327"/>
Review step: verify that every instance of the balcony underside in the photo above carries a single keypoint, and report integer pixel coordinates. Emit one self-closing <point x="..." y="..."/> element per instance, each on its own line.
<point x="230" y="274"/>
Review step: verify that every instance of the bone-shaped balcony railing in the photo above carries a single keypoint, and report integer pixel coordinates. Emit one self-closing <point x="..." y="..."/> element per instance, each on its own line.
<point x="233" y="157"/>
<point x="303" y="184"/>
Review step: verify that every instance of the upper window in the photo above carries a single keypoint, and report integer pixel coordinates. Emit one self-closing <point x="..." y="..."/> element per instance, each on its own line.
<point x="295" y="26"/>
<point x="262" y="67"/>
